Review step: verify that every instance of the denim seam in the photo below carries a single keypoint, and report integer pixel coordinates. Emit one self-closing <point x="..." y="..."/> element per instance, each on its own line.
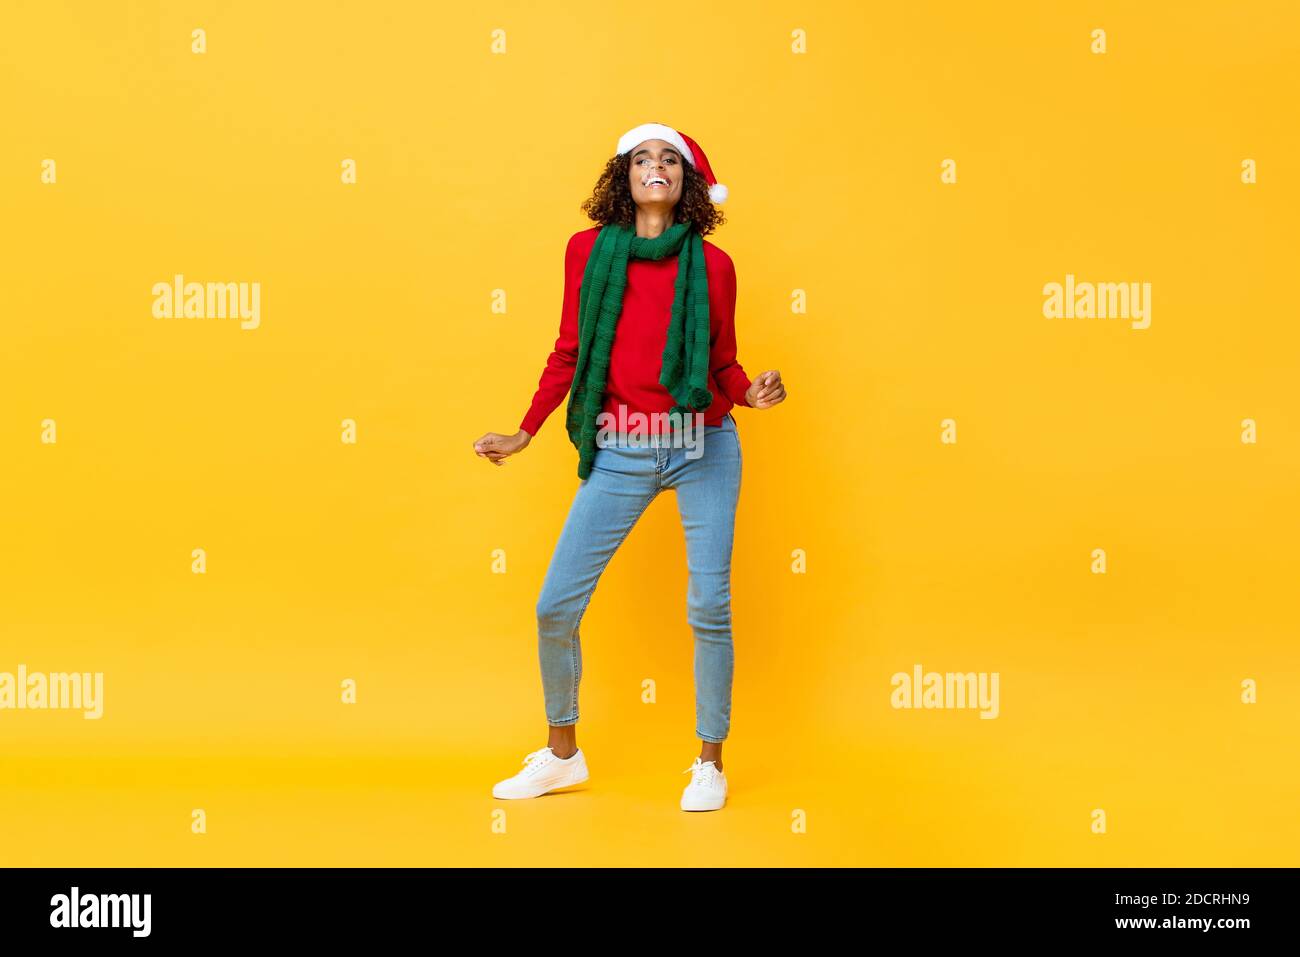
<point x="573" y="647"/>
<point x="740" y="465"/>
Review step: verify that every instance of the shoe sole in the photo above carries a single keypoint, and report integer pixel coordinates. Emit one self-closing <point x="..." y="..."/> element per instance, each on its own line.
<point x="559" y="785"/>
<point x="708" y="807"/>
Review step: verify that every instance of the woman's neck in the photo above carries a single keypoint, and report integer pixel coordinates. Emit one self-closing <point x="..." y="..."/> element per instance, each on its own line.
<point x="652" y="222"/>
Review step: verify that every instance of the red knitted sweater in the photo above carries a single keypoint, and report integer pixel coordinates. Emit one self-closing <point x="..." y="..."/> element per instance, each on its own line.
<point x="639" y="339"/>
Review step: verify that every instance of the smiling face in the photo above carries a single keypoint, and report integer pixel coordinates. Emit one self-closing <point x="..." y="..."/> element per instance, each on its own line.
<point x="656" y="174"/>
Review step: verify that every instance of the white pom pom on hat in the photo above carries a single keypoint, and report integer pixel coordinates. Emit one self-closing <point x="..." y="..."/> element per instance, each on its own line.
<point x="685" y="145"/>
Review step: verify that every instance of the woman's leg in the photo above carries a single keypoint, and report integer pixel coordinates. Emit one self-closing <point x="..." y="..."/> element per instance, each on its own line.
<point x="708" y="490"/>
<point x="623" y="481"/>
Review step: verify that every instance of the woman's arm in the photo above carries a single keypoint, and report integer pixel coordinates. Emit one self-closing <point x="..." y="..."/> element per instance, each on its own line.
<point x="557" y="377"/>
<point x="728" y="373"/>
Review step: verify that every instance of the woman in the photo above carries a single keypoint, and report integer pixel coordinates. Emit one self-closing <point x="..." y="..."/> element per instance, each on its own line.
<point x="649" y="410"/>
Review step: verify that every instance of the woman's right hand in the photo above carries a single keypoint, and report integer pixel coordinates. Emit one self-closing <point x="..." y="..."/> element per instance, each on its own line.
<point x="496" y="447"/>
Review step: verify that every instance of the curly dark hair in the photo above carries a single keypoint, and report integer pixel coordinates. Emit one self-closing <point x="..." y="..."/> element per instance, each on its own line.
<point x="611" y="201"/>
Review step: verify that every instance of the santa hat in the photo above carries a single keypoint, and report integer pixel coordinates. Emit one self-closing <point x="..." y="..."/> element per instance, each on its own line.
<point x="684" y="144"/>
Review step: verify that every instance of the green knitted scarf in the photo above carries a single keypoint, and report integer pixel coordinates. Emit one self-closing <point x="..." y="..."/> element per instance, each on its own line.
<point x="684" y="367"/>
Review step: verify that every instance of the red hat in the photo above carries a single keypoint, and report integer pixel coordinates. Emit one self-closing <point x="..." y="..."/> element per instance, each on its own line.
<point x="685" y="145"/>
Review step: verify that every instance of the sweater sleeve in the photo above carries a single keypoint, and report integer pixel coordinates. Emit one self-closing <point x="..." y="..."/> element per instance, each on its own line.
<point x="557" y="376"/>
<point x="727" y="372"/>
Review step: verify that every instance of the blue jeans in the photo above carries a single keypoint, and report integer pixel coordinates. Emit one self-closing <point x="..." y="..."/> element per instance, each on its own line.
<point x="623" y="482"/>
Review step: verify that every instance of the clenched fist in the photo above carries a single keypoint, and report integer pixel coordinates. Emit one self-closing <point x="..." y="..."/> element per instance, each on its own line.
<point x="766" y="390"/>
<point x="496" y="447"/>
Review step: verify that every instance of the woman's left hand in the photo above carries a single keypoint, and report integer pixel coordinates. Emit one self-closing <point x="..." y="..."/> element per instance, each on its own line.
<point x="766" y="390"/>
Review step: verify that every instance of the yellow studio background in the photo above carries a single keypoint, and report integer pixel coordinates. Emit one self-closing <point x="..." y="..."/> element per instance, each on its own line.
<point x="327" y="561"/>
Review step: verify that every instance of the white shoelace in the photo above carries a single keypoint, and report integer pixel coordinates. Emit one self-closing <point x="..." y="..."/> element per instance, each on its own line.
<point x="537" y="756"/>
<point x="705" y="773"/>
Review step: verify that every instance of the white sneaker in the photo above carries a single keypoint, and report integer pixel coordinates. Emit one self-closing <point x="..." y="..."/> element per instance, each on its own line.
<point x="543" y="772"/>
<point x="707" y="790"/>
